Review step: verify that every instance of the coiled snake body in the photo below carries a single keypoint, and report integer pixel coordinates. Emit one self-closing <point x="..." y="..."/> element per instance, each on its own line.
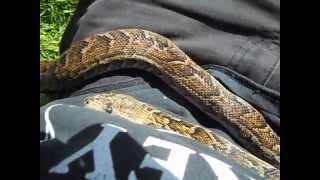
<point x="141" y="49"/>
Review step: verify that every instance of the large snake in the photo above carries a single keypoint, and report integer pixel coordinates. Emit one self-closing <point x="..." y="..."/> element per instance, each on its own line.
<point x="138" y="112"/>
<point x="141" y="49"/>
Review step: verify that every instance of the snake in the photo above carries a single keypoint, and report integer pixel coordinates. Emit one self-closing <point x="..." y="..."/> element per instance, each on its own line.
<point x="149" y="51"/>
<point x="139" y="112"/>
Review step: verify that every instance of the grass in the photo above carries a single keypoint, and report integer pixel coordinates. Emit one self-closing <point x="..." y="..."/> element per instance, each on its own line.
<point x="54" y="18"/>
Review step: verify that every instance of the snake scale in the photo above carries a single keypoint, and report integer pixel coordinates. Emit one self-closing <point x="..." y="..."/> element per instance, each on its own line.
<point x="149" y="51"/>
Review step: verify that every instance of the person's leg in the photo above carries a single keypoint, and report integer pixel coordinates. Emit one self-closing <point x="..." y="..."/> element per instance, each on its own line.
<point x="241" y="35"/>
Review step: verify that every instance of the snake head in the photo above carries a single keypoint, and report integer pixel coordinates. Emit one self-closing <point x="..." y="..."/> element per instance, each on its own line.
<point x="101" y="103"/>
<point x="111" y="103"/>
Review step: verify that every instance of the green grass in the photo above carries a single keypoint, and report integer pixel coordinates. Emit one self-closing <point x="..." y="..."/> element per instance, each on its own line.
<point x="54" y="18"/>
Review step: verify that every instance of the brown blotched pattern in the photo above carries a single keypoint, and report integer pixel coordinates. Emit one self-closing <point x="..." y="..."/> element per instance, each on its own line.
<point x="140" y="46"/>
<point x="138" y="112"/>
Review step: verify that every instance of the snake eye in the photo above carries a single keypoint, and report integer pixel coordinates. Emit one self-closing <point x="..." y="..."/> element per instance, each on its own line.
<point x="86" y="101"/>
<point x="108" y="109"/>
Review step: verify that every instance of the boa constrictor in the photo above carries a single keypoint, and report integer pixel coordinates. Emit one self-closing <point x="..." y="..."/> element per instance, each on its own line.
<point x="141" y="49"/>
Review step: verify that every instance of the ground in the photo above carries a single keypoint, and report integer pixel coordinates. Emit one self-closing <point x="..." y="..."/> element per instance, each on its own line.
<point x="54" y="18"/>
